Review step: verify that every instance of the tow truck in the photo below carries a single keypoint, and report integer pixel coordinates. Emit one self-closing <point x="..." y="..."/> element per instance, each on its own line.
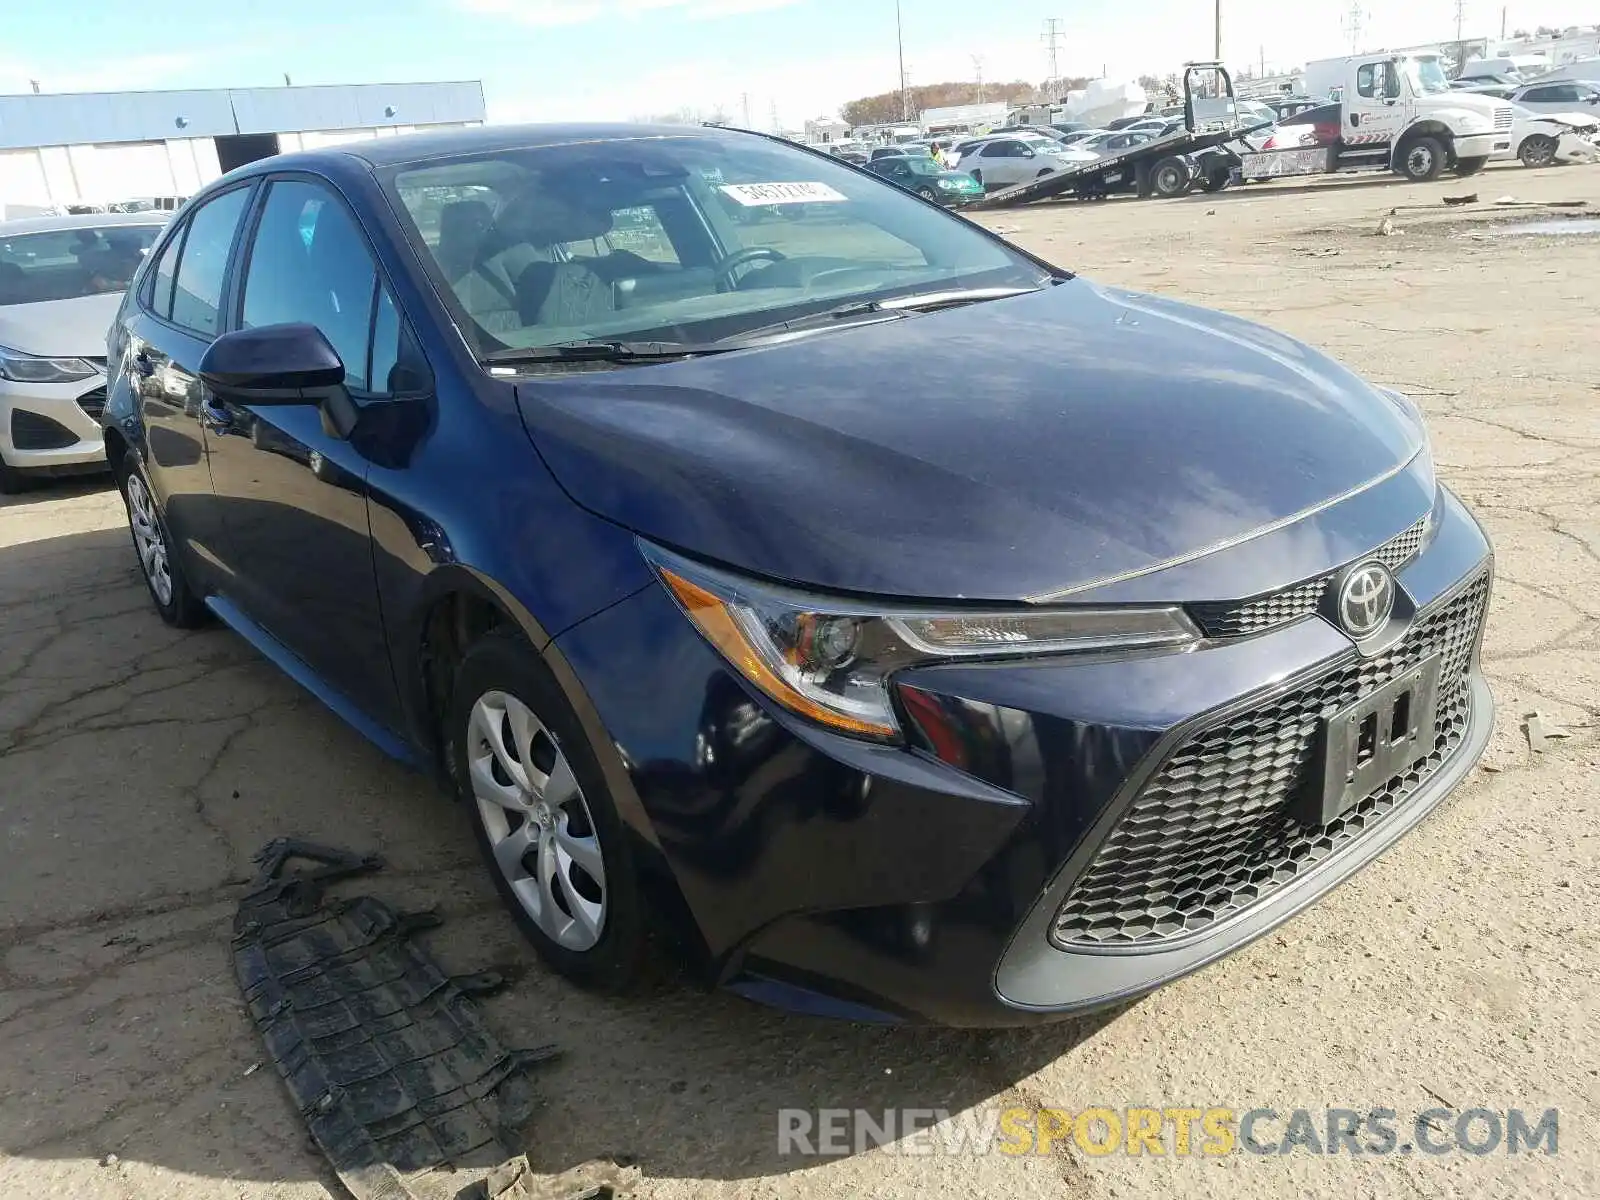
<point x="1163" y="166"/>
<point x="1397" y="113"/>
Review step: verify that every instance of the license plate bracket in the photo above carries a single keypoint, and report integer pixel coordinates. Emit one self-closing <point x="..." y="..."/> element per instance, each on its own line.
<point x="1370" y="741"/>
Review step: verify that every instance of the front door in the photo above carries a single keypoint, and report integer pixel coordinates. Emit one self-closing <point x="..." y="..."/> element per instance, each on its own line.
<point x="292" y="492"/>
<point x="177" y="317"/>
<point x="1375" y="114"/>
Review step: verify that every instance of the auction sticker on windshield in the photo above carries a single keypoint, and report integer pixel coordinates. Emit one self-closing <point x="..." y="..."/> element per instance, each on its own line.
<point x="752" y="194"/>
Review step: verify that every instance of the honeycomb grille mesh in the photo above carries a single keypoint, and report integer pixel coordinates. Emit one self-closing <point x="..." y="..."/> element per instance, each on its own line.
<point x="1210" y="833"/>
<point x="1234" y="618"/>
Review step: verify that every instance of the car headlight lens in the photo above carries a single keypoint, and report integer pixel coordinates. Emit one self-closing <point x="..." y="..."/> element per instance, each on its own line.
<point x="830" y="660"/>
<point x="30" y="368"/>
<point x="948" y="185"/>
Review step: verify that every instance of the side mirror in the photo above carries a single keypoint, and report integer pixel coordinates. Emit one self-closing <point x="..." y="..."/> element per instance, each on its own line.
<point x="273" y="364"/>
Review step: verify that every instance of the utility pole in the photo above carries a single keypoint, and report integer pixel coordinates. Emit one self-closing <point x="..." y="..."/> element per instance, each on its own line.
<point x="1052" y="38"/>
<point x="1352" y="25"/>
<point x="745" y="99"/>
<point x="900" y="41"/>
<point x="1502" y="23"/>
<point x="977" y="66"/>
<point x="1216" y="52"/>
<point x="1461" y="18"/>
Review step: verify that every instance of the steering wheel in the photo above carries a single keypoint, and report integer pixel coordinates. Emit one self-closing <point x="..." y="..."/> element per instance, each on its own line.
<point x="725" y="269"/>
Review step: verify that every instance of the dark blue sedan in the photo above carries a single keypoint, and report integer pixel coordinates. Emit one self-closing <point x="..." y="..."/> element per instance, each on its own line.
<point x="917" y="630"/>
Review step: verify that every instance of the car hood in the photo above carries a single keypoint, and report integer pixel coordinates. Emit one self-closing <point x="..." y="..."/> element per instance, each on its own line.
<point x="958" y="176"/>
<point x="60" y="328"/>
<point x="1004" y="451"/>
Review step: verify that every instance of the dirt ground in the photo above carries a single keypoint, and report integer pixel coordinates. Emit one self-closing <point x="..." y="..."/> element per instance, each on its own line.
<point x="142" y="767"/>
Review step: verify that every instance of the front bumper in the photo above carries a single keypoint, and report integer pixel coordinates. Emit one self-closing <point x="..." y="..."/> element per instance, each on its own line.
<point x="1578" y="148"/>
<point x="925" y="883"/>
<point x="52" y="426"/>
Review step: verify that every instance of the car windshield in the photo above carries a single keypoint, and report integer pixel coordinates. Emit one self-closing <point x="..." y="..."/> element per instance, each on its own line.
<point x="688" y="239"/>
<point x="923" y="166"/>
<point x="1426" y="75"/>
<point x="63" y="264"/>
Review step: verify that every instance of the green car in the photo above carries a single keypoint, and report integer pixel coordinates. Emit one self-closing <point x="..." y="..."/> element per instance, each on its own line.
<point x="920" y="174"/>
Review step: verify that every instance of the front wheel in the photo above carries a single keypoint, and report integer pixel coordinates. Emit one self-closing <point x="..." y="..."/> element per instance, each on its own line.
<point x="1422" y="160"/>
<point x="1471" y="166"/>
<point x="1537" y="151"/>
<point x="11" y="479"/>
<point x="555" y="847"/>
<point x="177" y="603"/>
<point x="928" y="194"/>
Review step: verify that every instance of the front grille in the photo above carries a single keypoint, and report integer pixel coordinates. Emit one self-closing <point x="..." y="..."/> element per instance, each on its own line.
<point x="93" y="402"/>
<point x="1211" y="832"/>
<point x="1236" y="618"/>
<point x="1502" y="118"/>
<point x="30" y="431"/>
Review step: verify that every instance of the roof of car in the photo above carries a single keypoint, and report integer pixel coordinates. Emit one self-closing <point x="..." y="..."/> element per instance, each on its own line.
<point x="487" y="139"/>
<point x="80" y="221"/>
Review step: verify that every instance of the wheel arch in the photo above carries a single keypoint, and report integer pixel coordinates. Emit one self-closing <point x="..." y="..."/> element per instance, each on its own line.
<point x="1426" y="127"/>
<point x="457" y="606"/>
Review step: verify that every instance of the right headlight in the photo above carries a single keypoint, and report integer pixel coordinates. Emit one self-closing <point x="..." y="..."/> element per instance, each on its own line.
<point x="830" y="660"/>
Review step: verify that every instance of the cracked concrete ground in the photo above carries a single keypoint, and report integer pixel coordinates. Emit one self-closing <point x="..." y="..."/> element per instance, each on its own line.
<point x="140" y="768"/>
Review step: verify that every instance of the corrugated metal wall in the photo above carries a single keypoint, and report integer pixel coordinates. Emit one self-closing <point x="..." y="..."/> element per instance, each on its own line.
<point x="97" y="118"/>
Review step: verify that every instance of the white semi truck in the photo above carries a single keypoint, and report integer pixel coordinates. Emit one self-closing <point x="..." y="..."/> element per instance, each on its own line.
<point x="1399" y="114"/>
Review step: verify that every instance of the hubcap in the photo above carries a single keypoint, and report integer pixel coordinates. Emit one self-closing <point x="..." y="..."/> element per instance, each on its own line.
<point x="149" y="541"/>
<point x="539" y="825"/>
<point x="1421" y="160"/>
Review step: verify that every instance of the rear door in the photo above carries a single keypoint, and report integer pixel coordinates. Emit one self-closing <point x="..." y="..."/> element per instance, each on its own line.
<point x="176" y="318"/>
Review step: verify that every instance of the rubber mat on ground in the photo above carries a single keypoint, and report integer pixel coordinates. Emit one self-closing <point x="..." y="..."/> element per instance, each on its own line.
<point x="386" y="1056"/>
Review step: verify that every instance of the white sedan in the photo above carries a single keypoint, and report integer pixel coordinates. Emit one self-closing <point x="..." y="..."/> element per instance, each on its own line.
<point x="61" y="282"/>
<point x="1548" y="139"/>
<point x="1564" y="96"/>
<point x="1003" y="161"/>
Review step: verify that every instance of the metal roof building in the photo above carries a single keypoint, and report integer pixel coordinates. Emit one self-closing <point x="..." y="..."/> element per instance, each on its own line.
<point x="95" y="148"/>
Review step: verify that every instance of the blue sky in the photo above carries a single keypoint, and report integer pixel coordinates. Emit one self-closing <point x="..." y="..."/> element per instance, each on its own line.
<point x="565" y="59"/>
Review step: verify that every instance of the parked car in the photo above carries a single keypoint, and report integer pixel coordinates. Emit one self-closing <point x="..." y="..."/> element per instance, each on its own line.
<point x="1004" y="161"/>
<point x="1555" y="139"/>
<point x="1567" y="96"/>
<point x="922" y="175"/>
<point x="1110" y="141"/>
<point x="763" y="586"/>
<point x="61" y="280"/>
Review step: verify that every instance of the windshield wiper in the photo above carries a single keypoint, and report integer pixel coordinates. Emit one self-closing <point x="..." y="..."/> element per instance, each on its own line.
<point x="892" y="308"/>
<point x="595" y="352"/>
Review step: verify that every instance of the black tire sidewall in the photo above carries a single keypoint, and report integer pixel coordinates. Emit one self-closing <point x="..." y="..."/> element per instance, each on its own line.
<point x="504" y="661"/>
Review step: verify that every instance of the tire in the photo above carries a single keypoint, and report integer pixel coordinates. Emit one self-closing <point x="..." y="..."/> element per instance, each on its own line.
<point x="1046" y="171"/>
<point x="928" y="194"/>
<point x="1421" y="159"/>
<point x="1171" y="177"/>
<point x="169" y="590"/>
<point x="1217" y="181"/>
<point x="1471" y="166"/>
<point x="12" y="480"/>
<point x="1537" y="150"/>
<point x="584" y="916"/>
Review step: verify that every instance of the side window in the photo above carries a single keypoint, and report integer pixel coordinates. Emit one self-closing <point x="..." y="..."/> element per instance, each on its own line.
<point x="310" y="263"/>
<point x="397" y="363"/>
<point x="998" y="150"/>
<point x="158" y="292"/>
<point x="1366" y="80"/>
<point x="197" y="294"/>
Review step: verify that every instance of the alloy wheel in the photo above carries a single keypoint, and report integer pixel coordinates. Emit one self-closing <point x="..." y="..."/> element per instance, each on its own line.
<point x="543" y="837"/>
<point x="149" y="540"/>
<point x="1419" y="162"/>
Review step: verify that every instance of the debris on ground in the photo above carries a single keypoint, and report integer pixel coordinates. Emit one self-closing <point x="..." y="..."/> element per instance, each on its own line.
<point x="1387" y="227"/>
<point x="384" y="1054"/>
<point x="1470" y="198"/>
<point x="1317" y="251"/>
<point x="1541" y="731"/>
<point x="597" y="1180"/>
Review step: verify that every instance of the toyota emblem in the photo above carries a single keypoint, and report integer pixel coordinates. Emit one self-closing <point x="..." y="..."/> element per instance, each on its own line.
<point x="1366" y="599"/>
